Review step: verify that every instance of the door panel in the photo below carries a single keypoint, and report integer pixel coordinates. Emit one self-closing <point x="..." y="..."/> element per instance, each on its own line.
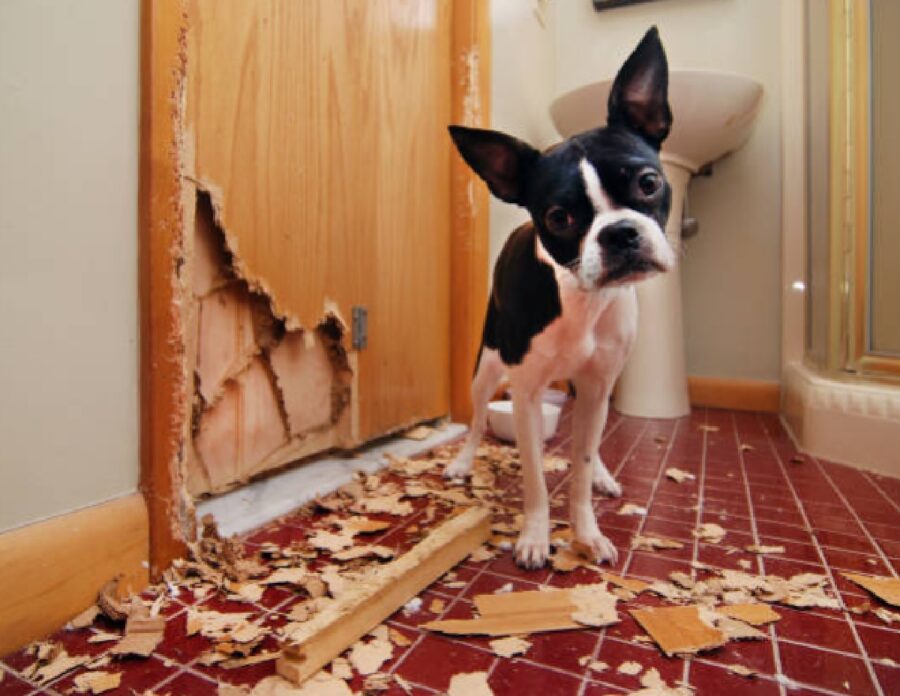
<point x="318" y="130"/>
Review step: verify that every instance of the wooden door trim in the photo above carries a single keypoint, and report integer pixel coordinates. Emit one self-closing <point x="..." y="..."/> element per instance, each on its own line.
<point x="163" y="378"/>
<point x="163" y="382"/>
<point x="469" y="199"/>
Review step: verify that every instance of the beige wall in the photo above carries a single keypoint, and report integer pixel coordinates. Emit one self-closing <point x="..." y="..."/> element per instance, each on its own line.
<point x="731" y="272"/>
<point x="68" y="249"/>
<point x="521" y="91"/>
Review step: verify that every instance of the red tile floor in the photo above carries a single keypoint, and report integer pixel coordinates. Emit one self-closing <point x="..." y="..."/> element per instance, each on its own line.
<point x="829" y="518"/>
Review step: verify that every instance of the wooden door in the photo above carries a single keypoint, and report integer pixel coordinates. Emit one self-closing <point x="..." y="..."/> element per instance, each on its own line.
<point x="317" y="130"/>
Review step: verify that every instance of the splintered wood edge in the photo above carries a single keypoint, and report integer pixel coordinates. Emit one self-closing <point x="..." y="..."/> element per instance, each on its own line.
<point x="885" y="588"/>
<point x="370" y="601"/>
<point x="678" y="630"/>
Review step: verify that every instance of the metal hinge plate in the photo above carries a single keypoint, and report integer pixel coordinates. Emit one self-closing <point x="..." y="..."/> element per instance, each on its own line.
<point x="360" y="328"/>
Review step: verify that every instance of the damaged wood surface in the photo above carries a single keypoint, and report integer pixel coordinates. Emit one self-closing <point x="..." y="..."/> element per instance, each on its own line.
<point x="319" y="130"/>
<point x="164" y="385"/>
<point x="364" y="604"/>
<point x="264" y="394"/>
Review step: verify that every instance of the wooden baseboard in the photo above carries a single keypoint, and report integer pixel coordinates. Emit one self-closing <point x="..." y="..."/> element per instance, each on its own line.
<point x="52" y="570"/>
<point x="737" y="394"/>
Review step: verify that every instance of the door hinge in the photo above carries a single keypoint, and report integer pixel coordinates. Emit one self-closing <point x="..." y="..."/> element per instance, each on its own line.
<point x="360" y="328"/>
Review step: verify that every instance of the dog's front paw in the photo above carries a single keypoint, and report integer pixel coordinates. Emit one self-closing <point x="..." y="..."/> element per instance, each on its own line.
<point x="604" y="482"/>
<point x="598" y="546"/>
<point x="458" y="468"/>
<point x="532" y="549"/>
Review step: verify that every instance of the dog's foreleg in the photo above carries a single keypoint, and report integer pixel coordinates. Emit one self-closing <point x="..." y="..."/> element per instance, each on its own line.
<point x="588" y="420"/>
<point x="487" y="377"/>
<point x="533" y="545"/>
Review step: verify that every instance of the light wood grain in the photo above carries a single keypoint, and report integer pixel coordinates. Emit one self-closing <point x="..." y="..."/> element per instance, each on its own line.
<point x="320" y="127"/>
<point x="372" y="600"/>
<point x="471" y="83"/>
<point x="53" y="570"/>
<point x="737" y="394"/>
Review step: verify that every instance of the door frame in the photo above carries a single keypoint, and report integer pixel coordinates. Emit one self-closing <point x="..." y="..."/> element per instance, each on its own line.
<point x="165" y="385"/>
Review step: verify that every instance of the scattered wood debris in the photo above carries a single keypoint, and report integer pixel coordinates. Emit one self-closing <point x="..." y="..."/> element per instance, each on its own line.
<point x="516" y="613"/>
<point x="630" y="668"/>
<point x="763" y="548"/>
<point x="630" y="584"/>
<point x="741" y="670"/>
<point x="419" y="433"/>
<point x="679" y="475"/>
<point x="377" y="593"/>
<point x="510" y="647"/>
<point x="552" y="464"/>
<point x="97" y="682"/>
<point x="437" y="606"/>
<point x="367" y="658"/>
<point x="142" y="633"/>
<point x="710" y="532"/>
<point x="52" y="661"/>
<point x="567" y="559"/>
<point x="885" y="588"/>
<point x="886" y="615"/>
<point x="632" y="509"/>
<point x="654" y="685"/>
<point x="652" y="543"/>
<point x="470" y="684"/>
<point x="753" y="614"/>
<point x="678" y="630"/>
<point x="85" y="618"/>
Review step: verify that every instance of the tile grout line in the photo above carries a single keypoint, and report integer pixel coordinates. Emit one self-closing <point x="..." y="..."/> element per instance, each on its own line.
<point x="862" y="649"/>
<point x="698" y="520"/>
<point x="662" y="463"/>
<point x="760" y="561"/>
<point x="840" y="494"/>
<point x="868" y="476"/>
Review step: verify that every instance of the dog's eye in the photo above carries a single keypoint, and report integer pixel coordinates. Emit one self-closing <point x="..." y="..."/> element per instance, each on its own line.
<point x="558" y="219"/>
<point x="649" y="182"/>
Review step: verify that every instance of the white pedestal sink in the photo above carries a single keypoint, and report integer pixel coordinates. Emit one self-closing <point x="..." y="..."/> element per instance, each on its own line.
<point x="713" y="116"/>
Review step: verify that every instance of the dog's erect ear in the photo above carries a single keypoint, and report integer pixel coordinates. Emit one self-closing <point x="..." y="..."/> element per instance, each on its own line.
<point x="639" y="98"/>
<point x="501" y="160"/>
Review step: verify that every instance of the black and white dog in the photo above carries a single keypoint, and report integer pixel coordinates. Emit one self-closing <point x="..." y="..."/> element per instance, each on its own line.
<point x="563" y="303"/>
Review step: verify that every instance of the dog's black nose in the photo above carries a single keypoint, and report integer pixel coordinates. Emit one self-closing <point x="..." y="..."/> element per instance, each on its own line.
<point x="620" y="236"/>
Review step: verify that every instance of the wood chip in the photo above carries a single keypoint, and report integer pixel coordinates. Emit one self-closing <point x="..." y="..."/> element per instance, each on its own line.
<point x="437" y="606"/>
<point x="104" y="637"/>
<point x="352" y="554"/>
<point x="631" y="584"/>
<point x="679" y="475"/>
<point x="419" y="433"/>
<point x="565" y="560"/>
<point x="48" y="668"/>
<point x="398" y="638"/>
<point x="885" y="588"/>
<point x="470" y="684"/>
<point x="286" y="576"/>
<point x="482" y="554"/>
<point x="710" y="532"/>
<point x="85" y="618"/>
<point x="678" y="630"/>
<point x="386" y="504"/>
<point x="632" y="509"/>
<point x="341" y="669"/>
<point x="362" y="525"/>
<point x="652" y="543"/>
<point x="655" y="686"/>
<point x="367" y="658"/>
<point x="630" y="668"/>
<point x="509" y="647"/>
<point x="552" y="464"/>
<point x="886" y="615"/>
<point x="516" y="613"/>
<point x="753" y="614"/>
<point x="97" y="682"/>
<point x="139" y="644"/>
<point x="762" y="548"/>
<point x="741" y="670"/>
<point x="329" y="541"/>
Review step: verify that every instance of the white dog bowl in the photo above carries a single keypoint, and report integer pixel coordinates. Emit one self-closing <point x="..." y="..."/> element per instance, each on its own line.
<point x="500" y="418"/>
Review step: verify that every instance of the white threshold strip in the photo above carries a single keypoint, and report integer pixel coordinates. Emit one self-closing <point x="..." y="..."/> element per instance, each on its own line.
<point x="262" y="501"/>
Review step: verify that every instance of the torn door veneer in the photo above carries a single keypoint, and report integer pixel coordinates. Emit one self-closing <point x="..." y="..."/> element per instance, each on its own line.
<point x="265" y="393"/>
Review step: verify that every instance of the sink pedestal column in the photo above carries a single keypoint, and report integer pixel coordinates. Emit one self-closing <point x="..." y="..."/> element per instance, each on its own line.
<point x="654" y="381"/>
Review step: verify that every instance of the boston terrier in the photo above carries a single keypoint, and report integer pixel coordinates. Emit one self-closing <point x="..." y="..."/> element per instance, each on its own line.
<point x="563" y="303"/>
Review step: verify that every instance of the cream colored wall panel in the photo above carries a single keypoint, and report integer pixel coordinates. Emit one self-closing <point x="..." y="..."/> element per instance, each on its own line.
<point x="68" y="255"/>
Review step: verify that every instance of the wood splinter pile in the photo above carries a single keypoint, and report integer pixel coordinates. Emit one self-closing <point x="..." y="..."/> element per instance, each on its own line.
<point x="335" y="634"/>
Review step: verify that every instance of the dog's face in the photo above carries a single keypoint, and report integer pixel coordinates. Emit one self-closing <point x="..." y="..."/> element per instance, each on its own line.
<point x="598" y="200"/>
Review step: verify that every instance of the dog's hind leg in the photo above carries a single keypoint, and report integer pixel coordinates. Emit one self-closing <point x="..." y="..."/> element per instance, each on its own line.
<point x="487" y="377"/>
<point x="588" y="420"/>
